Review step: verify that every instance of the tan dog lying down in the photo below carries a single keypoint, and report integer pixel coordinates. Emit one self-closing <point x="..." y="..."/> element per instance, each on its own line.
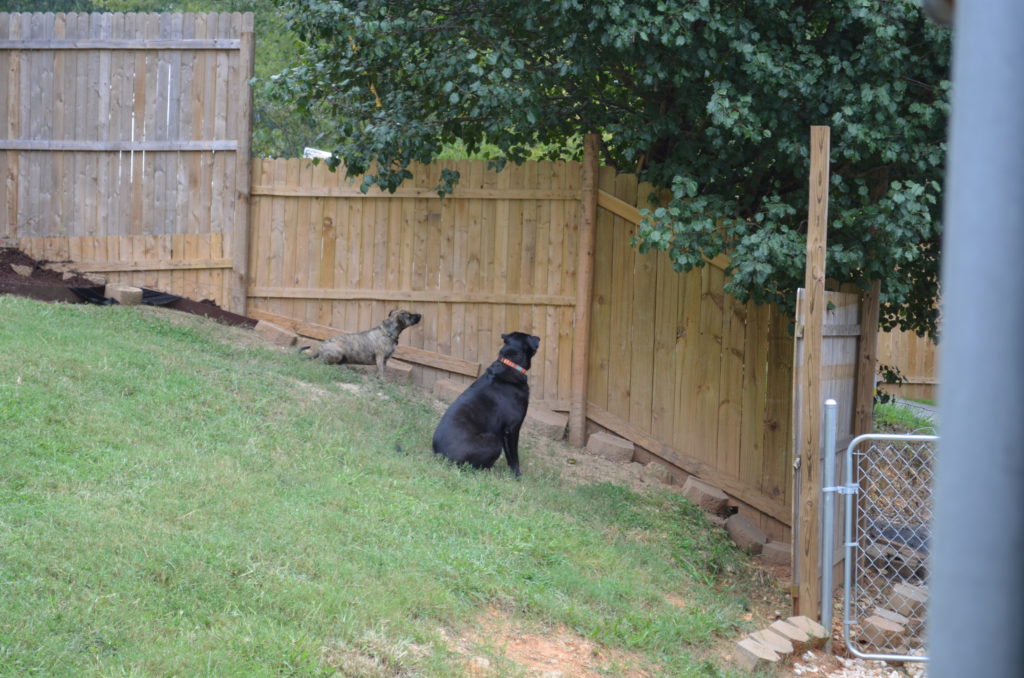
<point x="368" y="347"/>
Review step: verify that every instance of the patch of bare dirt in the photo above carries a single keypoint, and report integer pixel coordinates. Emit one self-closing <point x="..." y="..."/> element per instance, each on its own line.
<point x="550" y="653"/>
<point x="577" y="467"/>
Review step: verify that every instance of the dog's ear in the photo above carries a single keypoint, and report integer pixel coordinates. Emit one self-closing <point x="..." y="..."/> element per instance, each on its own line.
<point x="533" y="342"/>
<point x="392" y="313"/>
<point x="504" y="338"/>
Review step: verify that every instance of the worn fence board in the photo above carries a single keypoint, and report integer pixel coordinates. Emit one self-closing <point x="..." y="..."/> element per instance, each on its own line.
<point x="115" y="127"/>
<point x="916" y="358"/>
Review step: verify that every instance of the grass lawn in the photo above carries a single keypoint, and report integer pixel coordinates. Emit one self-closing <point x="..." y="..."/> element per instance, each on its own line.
<point x="896" y="418"/>
<point x="178" y="500"/>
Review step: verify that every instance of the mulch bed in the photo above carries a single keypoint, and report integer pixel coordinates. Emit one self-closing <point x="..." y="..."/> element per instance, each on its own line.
<point x="11" y="257"/>
<point x="22" y="275"/>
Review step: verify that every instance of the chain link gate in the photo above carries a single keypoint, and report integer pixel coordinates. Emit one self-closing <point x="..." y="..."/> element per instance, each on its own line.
<point x="888" y="516"/>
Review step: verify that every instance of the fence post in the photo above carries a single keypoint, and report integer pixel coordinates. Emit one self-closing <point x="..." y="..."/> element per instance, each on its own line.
<point x="808" y="512"/>
<point x="864" y="398"/>
<point x="584" y="292"/>
<point x="238" y="288"/>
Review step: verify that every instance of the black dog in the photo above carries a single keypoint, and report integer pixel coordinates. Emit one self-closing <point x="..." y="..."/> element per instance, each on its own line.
<point x="485" y="419"/>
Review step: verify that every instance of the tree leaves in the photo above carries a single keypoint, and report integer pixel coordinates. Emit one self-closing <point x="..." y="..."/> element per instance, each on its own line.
<point x="712" y="101"/>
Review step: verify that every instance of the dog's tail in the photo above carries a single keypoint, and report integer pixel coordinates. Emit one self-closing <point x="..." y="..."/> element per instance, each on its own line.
<point x="309" y="352"/>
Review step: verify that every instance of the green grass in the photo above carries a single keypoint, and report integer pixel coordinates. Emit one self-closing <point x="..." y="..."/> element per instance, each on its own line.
<point x="174" y="505"/>
<point x="896" y="418"/>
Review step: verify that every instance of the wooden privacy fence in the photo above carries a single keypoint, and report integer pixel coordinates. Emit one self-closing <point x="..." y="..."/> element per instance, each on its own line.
<point x="124" y="144"/>
<point x="685" y="371"/>
<point x="497" y="256"/>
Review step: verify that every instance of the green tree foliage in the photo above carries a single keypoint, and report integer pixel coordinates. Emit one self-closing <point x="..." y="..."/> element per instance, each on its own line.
<point x="710" y="100"/>
<point x="45" y="5"/>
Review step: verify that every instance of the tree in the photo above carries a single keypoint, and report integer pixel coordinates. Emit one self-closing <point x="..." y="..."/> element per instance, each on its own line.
<point x="711" y="101"/>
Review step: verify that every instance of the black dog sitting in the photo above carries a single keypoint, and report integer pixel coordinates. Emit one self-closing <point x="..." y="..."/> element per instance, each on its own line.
<point x="485" y="419"/>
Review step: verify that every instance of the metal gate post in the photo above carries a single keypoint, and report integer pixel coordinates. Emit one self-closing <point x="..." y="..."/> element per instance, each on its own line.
<point x="848" y="542"/>
<point x="828" y="496"/>
<point x="977" y="588"/>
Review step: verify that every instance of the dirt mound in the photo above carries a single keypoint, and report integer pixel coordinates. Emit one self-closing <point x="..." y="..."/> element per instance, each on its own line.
<point x="16" y="266"/>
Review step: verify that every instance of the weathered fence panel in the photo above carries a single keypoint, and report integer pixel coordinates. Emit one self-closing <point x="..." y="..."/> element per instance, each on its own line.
<point x="124" y="145"/>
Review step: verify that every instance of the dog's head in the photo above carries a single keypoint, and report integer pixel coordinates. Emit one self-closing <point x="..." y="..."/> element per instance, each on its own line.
<point x="402" y="319"/>
<point x="519" y="347"/>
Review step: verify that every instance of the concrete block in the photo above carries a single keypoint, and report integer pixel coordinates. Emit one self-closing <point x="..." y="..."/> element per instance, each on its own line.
<point x="126" y="295"/>
<point x="22" y="270"/>
<point x="275" y="334"/>
<point x="913" y="625"/>
<point x="779" y="644"/>
<point x="655" y="472"/>
<point x="800" y="639"/>
<point x="777" y="553"/>
<point x="753" y="656"/>
<point x="746" y="534"/>
<point x="908" y="600"/>
<point x="397" y="371"/>
<point x="448" y="390"/>
<point x="704" y="495"/>
<point x="816" y="631"/>
<point x="547" y="423"/>
<point x="894" y="617"/>
<point x="610" y="447"/>
<point x="883" y="635"/>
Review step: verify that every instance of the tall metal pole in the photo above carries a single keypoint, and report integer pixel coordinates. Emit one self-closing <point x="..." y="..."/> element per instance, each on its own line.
<point x="828" y="511"/>
<point x="977" y="584"/>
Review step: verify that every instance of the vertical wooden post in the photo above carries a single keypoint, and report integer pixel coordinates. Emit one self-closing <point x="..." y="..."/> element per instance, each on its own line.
<point x="867" y="361"/>
<point x="239" y="283"/>
<point x="584" y="292"/>
<point x="808" y="601"/>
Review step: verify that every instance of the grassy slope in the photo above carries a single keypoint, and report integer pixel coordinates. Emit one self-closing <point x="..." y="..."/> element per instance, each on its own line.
<point x="174" y="505"/>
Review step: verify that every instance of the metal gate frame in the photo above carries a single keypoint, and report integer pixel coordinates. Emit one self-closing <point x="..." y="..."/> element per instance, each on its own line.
<point x="885" y="542"/>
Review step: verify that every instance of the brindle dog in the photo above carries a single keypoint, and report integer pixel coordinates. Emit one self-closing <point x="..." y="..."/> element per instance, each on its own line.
<point x="368" y="347"/>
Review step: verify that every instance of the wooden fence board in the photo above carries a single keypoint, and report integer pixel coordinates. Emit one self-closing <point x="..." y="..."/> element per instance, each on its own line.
<point x="916" y="358"/>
